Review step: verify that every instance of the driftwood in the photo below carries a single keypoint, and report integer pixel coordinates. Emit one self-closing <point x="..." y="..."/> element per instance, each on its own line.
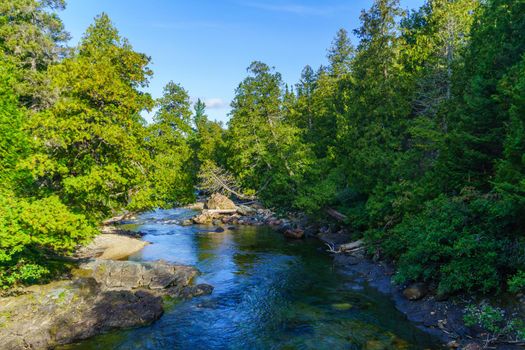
<point x="346" y="248"/>
<point x="336" y="215"/>
<point x="219" y="211"/>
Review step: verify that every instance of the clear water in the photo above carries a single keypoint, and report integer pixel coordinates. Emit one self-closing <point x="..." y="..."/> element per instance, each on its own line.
<point x="270" y="293"/>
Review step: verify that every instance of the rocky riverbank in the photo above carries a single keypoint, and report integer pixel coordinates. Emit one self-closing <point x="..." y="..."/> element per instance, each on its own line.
<point x="100" y="295"/>
<point x="440" y="317"/>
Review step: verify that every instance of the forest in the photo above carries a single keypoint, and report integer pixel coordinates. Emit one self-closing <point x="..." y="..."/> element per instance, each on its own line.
<point x="415" y="133"/>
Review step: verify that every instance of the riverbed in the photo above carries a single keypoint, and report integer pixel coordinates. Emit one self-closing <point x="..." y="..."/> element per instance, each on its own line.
<point x="270" y="293"/>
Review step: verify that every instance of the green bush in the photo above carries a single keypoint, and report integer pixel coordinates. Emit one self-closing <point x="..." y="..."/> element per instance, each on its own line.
<point x="455" y="242"/>
<point x="34" y="232"/>
<point x="495" y="323"/>
<point x="517" y="282"/>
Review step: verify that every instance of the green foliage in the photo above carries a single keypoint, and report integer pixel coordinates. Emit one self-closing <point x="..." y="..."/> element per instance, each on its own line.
<point x="495" y="322"/>
<point x="517" y="282"/>
<point x="172" y="177"/>
<point x="456" y="242"/>
<point x="416" y="135"/>
<point x="84" y="154"/>
<point x="32" y="37"/>
<point x="89" y="144"/>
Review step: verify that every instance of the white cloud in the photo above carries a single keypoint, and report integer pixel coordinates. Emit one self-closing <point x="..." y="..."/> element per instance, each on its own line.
<point x="215" y="103"/>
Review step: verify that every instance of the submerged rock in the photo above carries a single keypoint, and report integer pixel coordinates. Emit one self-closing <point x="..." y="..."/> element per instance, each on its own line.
<point x="104" y="295"/>
<point x="294" y="233"/>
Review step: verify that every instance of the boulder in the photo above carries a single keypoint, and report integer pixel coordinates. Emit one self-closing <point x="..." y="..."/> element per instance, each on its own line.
<point x="205" y="218"/>
<point x="246" y="210"/>
<point x="219" y="201"/>
<point x="294" y="233"/>
<point x="186" y="222"/>
<point x="415" y="291"/>
<point x="128" y="275"/>
<point x="102" y="296"/>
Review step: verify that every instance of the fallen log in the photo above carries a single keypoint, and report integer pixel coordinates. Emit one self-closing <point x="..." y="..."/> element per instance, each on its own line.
<point x="351" y="246"/>
<point x="336" y="215"/>
<point x="219" y="211"/>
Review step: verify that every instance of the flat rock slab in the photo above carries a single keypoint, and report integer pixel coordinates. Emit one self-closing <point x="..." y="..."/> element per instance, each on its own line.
<point x="129" y="275"/>
<point x="111" y="246"/>
<point x="103" y="295"/>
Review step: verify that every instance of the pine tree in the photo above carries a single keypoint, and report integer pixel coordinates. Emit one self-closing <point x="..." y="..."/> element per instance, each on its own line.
<point x="89" y="144"/>
<point x="33" y="38"/>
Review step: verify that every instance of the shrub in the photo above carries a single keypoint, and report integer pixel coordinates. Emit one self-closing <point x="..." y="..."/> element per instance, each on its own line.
<point x="459" y="243"/>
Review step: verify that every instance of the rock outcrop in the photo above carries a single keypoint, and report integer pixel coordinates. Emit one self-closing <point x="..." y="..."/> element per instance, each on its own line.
<point x="103" y="295"/>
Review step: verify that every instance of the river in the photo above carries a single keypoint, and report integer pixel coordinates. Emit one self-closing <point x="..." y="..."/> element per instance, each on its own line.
<point x="270" y="293"/>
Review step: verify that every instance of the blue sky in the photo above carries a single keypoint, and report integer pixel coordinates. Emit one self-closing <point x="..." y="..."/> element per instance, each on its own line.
<point x="206" y="45"/>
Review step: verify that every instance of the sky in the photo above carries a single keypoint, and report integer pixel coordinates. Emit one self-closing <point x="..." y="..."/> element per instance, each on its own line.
<point x="206" y="45"/>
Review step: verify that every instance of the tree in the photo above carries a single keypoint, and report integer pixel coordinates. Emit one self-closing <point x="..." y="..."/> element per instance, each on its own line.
<point x="266" y="152"/>
<point x="483" y="112"/>
<point x="340" y="54"/>
<point x="32" y="230"/>
<point x="32" y="36"/>
<point x="89" y="144"/>
<point x="173" y="174"/>
<point x="208" y="139"/>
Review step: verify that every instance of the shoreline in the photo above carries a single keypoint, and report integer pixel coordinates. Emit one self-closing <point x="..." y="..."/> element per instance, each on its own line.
<point x="440" y="318"/>
<point x="103" y="292"/>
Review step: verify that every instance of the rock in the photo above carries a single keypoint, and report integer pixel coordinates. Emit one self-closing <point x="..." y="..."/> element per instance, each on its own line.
<point x="195" y="291"/>
<point x="342" y="306"/>
<point x="294" y="233"/>
<point x="219" y="201"/>
<point x="111" y="247"/>
<point x="127" y="275"/>
<point x="219" y="229"/>
<point x="103" y="296"/>
<point x="232" y="228"/>
<point x="472" y="346"/>
<point x="245" y="210"/>
<point x="205" y="218"/>
<point x="453" y="344"/>
<point x="186" y="222"/>
<point x="196" y="206"/>
<point x="415" y="291"/>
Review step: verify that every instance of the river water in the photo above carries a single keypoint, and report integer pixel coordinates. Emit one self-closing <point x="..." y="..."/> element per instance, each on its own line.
<point x="270" y="293"/>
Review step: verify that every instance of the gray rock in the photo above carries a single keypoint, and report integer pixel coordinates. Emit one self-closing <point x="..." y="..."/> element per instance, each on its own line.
<point x="103" y="295"/>
<point x="245" y="210"/>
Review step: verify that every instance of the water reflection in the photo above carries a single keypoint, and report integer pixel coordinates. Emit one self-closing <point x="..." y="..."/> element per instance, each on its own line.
<point x="270" y="293"/>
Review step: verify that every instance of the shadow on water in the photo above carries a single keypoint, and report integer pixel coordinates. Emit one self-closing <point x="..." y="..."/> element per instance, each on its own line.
<point x="270" y="293"/>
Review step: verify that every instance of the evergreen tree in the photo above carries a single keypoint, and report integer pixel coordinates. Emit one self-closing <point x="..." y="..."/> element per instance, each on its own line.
<point x="33" y="38"/>
<point x="173" y="176"/>
<point x="89" y="144"/>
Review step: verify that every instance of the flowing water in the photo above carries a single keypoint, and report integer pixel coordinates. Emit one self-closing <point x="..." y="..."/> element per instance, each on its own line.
<point x="270" y="293"/>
